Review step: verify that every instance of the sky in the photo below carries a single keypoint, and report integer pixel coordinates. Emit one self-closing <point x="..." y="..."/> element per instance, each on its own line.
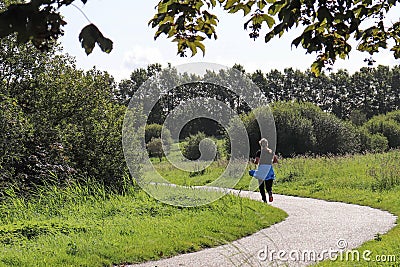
<point x="125" y="22"/>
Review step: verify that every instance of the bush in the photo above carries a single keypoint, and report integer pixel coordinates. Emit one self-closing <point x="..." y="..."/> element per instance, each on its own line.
<point x="334" y="136"/>
<point x="154" y="131"/>
<point x="250" y="122"/>
<point x="15" y="132"/>
<point x="76" y="129"/>
<point x="295" y="132"/>
<point x="387" y="126"/>
<point x="199" y="146"/>
<point x="379" y="143"/>
<point x="304" y="128"/>
<point x="372" y="142"/>
<point x="301" y="128"/>
<point x="155" y="149"/>
<point x="394" y="115"/>
<point x="58" y="123"/>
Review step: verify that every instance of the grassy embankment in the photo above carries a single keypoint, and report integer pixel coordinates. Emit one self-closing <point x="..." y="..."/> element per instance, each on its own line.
<point x="83" y="225"/>
<point x="86" y="226"/>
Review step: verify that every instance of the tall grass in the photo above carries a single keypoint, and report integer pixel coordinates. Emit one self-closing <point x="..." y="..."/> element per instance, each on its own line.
<point x="371" y="180"/>
<point x="86" y="225"/>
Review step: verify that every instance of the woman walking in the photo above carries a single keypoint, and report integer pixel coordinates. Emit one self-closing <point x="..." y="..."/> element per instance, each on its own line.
<point x="264" y="173"/>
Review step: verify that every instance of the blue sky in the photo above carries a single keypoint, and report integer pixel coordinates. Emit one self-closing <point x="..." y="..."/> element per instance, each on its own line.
<point x="125" y="22"/>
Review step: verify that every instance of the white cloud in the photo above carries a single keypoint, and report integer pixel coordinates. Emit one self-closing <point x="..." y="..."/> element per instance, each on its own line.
<point x="140" y="56"/>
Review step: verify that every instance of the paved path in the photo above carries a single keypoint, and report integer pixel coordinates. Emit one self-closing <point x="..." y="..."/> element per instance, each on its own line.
<point x="313" y="227"/>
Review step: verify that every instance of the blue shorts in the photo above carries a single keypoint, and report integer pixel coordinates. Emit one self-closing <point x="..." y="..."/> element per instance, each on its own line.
<point x="263" y="172"/>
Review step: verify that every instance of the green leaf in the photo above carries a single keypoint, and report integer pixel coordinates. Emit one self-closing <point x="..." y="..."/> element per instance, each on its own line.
<point x="162" y="7"/>
<point x="106" y="45"/>
<point x="230" y="3"/>
<point x="198" y="5"/>
<point x="246" y="9"/>
<point x="269" y="36"/>
<point x="247" y="23"/>
<point x="270" y="20"/>
<point x="199" y="38"/>
<point x="276" y="7"/>
<point x="165" y="28"/>
<point x="297" y="41"/>
<point x="192" y="47"/>
<point x="316" y="67"/>
<point x="323" y="13"/>
<point x="396" y="51"/>
<point x="90" y="35"/>
<point x="201" y="46"/>
<point x="261" y="4"/>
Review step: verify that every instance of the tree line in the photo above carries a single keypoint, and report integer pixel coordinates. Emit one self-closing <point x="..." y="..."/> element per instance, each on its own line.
<point x="356" y="97"/>
<point x="59" y="124"/>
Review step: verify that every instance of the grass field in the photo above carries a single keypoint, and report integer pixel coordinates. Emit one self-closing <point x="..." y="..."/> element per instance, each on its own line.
<point x="85" y="226"/>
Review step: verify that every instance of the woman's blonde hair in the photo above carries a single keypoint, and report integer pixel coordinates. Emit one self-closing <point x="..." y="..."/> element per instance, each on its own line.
<point x="264" y="144"/>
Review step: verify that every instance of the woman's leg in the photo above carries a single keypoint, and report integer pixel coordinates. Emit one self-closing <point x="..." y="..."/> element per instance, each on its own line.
<point x="268" y="185"/>
<point x="261" y="186"/>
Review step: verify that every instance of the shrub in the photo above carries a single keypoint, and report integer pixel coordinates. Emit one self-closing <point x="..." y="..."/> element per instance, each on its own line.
<point x="357" y="117"/>
<point x="199" y="146"/>
<point x="334" y="136"/>
<point x="57" y="120"/>
<point x="154" y="131"/>
<point x="395" y="115"/>
<point x="372" y="142"/>
<point x="208" y="149"/>
<point x="295" y="133"/>
<point x="15" y="132"/>
<point x="387" y="126"/>
<point x="155" y="149"/>
<point x="253" y="135"/>
<point x="301" y="128"/>
<point x="379" y="143"/>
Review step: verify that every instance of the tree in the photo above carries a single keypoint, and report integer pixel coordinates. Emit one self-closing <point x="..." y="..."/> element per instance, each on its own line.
<point x="155" y="148"/>
<point x="40" y="22"/>
<point x="127" y="88"/>
<point x="57" y="123"/>
<point x="388" y="126"/>
<point x="15" y="132"/>
<point x="199" y="147"/>
<point x="327" y="25"/>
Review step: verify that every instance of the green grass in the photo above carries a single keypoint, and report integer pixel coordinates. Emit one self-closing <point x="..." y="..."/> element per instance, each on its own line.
<point x="85" y="226"/>
<point x="371" y="180"/>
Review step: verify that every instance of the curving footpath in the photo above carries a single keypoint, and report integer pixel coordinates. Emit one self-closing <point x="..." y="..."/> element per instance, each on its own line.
<point x="314" y="229"/>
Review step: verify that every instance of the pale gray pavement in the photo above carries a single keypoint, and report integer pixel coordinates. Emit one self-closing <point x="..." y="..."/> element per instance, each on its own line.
<point x="312" y="226"/>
